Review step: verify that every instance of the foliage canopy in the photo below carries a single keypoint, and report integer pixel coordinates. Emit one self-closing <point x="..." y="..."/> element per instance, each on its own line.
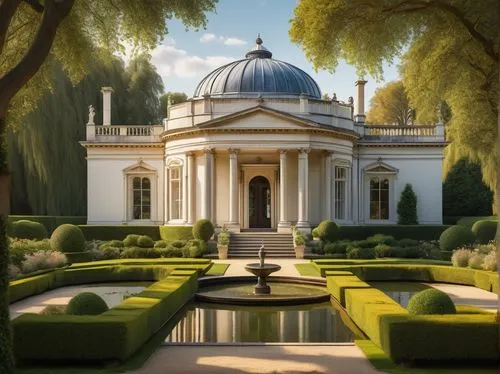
<point x="390" y="105"/>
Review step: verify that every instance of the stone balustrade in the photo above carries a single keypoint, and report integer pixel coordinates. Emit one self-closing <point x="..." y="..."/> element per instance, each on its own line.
<point x="411" y="133"/>
<point x="124" y="133"/>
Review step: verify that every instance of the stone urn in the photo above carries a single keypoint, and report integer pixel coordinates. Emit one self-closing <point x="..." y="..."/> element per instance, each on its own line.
<point x="222" y="251"/>
<point x="299" y="251"/>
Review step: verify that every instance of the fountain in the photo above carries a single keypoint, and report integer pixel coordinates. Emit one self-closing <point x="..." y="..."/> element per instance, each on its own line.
<point x="262" y="271"/>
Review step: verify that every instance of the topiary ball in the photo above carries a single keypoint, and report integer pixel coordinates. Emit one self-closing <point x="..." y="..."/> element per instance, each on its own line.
<point x="431" y="301"/>
<point x="86" y="303"/>
<point x="454" y="237"/>
<point x="485" y="230"/>
<point x="203" y="229"/>
<point x="24" y="229"/>
<point x="327" y="231"/>
<point x="131" y="240"/>
<point x="68" y="238"/>
<point x="145" y="241"/>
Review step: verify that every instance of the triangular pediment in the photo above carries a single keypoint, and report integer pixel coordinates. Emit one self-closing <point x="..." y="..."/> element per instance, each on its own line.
<point x="259" y="118"/>
<point x="380" y="167"/>
<point x="139" y="167"/>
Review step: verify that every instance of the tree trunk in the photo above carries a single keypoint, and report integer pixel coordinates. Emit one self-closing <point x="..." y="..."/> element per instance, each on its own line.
<point x="6" y="355"/>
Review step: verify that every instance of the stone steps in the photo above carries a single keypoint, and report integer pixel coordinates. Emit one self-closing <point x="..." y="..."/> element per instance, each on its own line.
<point x="247" y="244"/>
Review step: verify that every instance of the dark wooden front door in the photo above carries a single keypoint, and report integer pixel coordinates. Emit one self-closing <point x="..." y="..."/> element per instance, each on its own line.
<point x="260" y="203"/>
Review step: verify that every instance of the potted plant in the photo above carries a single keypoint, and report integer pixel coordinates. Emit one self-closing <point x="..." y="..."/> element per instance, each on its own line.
<point x="223" y="243"/>
<point x="299" y="241"/>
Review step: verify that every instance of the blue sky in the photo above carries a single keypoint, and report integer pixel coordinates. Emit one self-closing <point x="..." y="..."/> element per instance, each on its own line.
<point x="185" y="57"/>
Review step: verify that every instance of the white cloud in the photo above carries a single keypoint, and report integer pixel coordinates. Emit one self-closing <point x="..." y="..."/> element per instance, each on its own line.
<point x="170" y="60"/>
<point x="234" y="41"/>
<point x="209" y="38"/>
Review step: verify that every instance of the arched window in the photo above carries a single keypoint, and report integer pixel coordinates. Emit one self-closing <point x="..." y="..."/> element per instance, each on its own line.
<point x="379" y="198"/>
<point x="141" y="190"/>
<point x="175" y="179"/>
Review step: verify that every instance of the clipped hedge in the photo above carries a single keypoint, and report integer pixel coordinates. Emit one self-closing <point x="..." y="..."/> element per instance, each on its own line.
<point x="417" y="232"/>
<point x="454" y="237"/>
<point x="25" y="229"/>
<point x="119" y="232"/>
<point x="115" y="334"/>
<point x="50" y="222"/>
<point x="176" y="232"/>
<point x="431" y="301"/>
<point x="485" y="230"/>
<point x="86" y="303"/>
<point x="416" y="338"/>
<point x="76" y="257"/>
<point x="203" y="229"/>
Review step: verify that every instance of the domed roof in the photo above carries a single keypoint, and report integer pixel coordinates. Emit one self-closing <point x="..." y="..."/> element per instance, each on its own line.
<point x="258" y="75"/>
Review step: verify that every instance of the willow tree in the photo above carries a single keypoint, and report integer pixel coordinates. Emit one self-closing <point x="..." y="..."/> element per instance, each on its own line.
<point x="76" y="33"/>
<point x="390" y="106"/>
<point x="452" y="54"/>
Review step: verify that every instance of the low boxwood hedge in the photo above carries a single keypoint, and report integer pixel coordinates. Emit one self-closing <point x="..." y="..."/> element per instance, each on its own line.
<point x="50" y="222"/>
<point x="176" y="233"/>
<point x="413" y="338"/>
<point x="102" y="232"/>
<point x="115" y="334"/>
<point x="417" y="232"/>
<point x="75" y="257"/>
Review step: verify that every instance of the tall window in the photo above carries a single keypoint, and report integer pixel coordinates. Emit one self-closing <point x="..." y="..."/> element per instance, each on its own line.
<point x="175" y="178"/>
<point x="340" y="192"/>
<point x="379" y="198"/>
<point x="141" y="198"/>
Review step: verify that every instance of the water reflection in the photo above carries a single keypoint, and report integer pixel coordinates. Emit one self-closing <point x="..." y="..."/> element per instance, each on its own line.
<point x="400" y="292"/>
<point x="209" y="323"/>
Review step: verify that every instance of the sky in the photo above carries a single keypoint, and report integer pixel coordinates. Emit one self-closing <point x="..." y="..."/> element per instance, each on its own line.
<point x="186" y="56"/>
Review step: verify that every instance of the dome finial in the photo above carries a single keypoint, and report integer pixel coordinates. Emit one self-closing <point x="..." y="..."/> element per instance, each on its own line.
<point x="258" y="41"/>
<point x="259" y="51"/>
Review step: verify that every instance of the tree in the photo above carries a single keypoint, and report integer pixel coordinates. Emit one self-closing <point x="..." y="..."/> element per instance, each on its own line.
<point x="390" y="105"/>
<point x="76" y="33"/>
<point x="37" y="169"/>
<point x="172" y="98"/>
<point x="407" y="207"/>
<point x="452" y="54"/>
<point x="464" y="193"/>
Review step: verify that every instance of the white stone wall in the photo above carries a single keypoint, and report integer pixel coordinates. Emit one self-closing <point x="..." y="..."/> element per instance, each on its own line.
<point x="419" y="166"/>
<point x="106" y="184"/>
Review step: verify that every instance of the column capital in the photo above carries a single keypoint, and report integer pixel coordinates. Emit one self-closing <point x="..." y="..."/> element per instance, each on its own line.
<point x="190" y="153"/>
<point x="233" y="151"/>
<point x="208" y="151"/>
<point x="283" y="151"/>
<point x="327" y="153"/>
<point x="304" y="150"/>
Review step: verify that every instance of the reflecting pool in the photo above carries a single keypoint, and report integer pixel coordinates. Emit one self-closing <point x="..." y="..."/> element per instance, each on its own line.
<point x="217" y="323"/>
<point x="400" y="292"/>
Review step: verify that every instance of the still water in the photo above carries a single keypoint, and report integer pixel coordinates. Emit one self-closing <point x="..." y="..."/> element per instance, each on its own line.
<point x="400" y="292"/>
<point x="216" y="323"/>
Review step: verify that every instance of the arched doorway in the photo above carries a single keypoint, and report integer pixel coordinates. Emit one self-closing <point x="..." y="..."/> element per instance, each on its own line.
<point x="259" y="204"/>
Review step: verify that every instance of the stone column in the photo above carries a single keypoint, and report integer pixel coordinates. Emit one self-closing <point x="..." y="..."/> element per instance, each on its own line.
<point x="106" y="105"/>
<point x="233" y="224"/>
<point x="303" y="184"/>
<point x="206" y="191"/>
<point x="283" y="224"/>
<point x="191" y="188"/>
<point x="328" y="184"/>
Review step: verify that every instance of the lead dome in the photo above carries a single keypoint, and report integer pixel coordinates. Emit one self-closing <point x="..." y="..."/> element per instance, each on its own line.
<point x="258" y="74"/>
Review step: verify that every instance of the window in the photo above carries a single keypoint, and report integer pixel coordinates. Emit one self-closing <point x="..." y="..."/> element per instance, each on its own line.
<point x="339" y="200"/>
<point x="141" y="190"/>
<point x="379" y="198"/>
<point x="175" y="178"/>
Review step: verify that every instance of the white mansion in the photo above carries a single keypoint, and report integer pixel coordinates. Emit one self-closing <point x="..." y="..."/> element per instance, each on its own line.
<point x="257" y="147"/>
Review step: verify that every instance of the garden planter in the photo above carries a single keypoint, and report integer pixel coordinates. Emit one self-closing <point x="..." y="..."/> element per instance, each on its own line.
<point x="299" y="251"/>
<point x="222" y="250"/>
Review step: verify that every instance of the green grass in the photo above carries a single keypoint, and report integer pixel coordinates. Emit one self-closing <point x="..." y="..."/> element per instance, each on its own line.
<point x="308" y="270"/>
<point x="217" y="269"/>
<point x="383" y="363"/>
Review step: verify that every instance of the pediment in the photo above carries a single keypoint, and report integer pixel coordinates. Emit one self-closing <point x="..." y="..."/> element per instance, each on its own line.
<point x="380" y="167"/>
<point x="259" y="118"/>
<point x="139" y="167"/>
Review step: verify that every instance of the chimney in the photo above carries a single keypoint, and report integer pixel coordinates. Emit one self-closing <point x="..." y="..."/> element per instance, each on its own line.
<point x="359" y="104"/>
<point x="106" y="105"/>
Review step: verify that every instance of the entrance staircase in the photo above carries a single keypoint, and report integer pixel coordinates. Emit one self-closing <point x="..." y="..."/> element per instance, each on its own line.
<point x="247" y="244"/>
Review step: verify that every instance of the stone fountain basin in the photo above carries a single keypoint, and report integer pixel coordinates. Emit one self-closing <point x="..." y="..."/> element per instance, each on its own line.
<point x="262" y="271"/>
<point x="227" y="290"/>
